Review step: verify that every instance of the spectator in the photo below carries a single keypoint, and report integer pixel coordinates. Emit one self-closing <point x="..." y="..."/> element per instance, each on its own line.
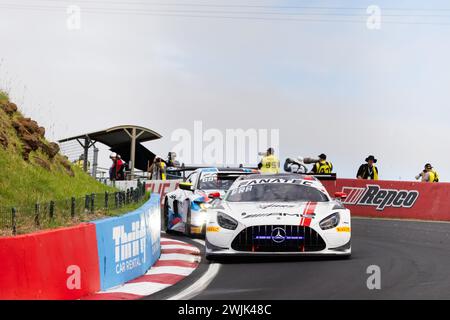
<point x="172" y="164"/>
<point x="368" y="170"/>
<point x="158" y="169"/>
<point x="322" y="166"/>
<point x="121" y="166"/>
<point x="172" y="160"/>
<point x="117" y="169"/>
<point x="428" y="174"/>
<point x="80" y="162"/>
<point x="269" y="163"/>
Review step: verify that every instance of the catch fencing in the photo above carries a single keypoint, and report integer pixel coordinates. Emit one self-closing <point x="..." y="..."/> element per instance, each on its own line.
<point x="54" y="213"/>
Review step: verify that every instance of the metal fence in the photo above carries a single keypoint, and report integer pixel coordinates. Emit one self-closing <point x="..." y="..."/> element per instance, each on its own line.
<point x="24" y="219"/>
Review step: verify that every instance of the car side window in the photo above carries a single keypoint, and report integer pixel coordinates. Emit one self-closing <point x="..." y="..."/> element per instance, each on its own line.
<point x="192" y="178"/>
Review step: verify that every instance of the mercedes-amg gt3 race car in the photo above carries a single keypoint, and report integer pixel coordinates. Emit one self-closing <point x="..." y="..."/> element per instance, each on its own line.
<point x="283" y="214"/>
<point x="184" y="209"/>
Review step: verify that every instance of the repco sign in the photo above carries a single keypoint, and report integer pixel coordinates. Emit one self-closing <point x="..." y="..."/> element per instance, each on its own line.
<point x="373" y="195"/>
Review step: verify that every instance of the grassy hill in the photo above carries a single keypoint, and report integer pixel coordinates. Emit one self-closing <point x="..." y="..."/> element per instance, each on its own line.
<point x="31" y="168"/>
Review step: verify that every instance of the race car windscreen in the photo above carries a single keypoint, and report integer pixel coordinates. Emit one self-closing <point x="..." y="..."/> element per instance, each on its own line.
<point x="213" y="182"/>
<point x="277" y="192"/>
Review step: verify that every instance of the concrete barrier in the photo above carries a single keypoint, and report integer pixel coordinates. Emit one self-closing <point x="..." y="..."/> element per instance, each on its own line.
<point x="69" y="263"/>
<point x="394" y="199"/>
<point x="56" y="264"/>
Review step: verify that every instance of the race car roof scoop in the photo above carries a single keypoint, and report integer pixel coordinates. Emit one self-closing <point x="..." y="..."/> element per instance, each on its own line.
<point x="214" y="195"/>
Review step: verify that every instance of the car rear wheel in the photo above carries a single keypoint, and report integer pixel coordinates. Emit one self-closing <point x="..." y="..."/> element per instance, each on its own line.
<point x="166" y="216"/>
<point x="187" y="225"/>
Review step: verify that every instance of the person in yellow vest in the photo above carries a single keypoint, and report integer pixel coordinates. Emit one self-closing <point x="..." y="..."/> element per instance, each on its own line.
<point x="80" y="162"/>
<point x="158" y="169"/>
<point x="322" y="166"/>
<point x="269" y="164"/>
<point x="368" y="170"/>
<point x="428" y="174"/>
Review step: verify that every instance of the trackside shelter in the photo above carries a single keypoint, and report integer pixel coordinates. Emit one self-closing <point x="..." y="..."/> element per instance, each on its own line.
<point x="125" y="140"/>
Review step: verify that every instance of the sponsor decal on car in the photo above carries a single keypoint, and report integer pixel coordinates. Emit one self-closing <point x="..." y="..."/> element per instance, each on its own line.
<point x="373" y="195"/>
<point x="276" y="180"/>
<point x="343" y="229"/>
<point x="260" y="215"/>
<point x="213" y="229"/>
<point x="308" y="214"/>
<point x="278" y="235"/>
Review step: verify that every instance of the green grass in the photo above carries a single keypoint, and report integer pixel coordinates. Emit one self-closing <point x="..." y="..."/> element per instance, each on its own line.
<point x="3" y="96"/>
<point x="25" y="183"/>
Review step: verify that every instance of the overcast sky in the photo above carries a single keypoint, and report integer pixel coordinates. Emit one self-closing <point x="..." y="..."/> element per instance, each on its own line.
<point x="328" y="85"/>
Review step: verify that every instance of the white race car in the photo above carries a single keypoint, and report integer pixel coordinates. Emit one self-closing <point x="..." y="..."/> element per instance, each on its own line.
<point x="184" y="209"/>
<point x="282" y="214"/>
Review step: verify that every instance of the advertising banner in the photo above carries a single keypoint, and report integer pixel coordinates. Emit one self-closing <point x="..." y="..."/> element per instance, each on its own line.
<point x="130" y="244"/>
<point x="394" y="199"/>
<point x="162" y="187"/>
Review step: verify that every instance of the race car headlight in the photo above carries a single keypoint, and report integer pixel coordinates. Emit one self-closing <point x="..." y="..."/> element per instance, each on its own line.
<point x="330" y="222"/>
<point x="226" y="222"/>
<point x="204" y="206"/>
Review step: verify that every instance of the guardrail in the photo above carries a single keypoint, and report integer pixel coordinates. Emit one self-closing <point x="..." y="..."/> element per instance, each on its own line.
<point x="23" y="219"/>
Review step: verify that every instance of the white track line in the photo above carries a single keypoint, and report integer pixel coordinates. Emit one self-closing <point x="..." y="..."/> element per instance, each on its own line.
<point x="179" y="256"/>
<point x="183" y="271"/>
<point x="179" y="246"/>
<point x="199" y="285"/>
<point x="139" y="288"/>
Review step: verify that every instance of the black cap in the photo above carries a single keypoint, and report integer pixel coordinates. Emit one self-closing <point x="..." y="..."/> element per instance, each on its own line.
<point x="322" y="156"/>
<point x="371" y="158"/>
<point x="428" y="166"/>
<point x="271" y="150"/>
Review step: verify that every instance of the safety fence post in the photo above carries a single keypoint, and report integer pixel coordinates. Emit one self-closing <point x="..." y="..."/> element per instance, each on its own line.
<point x="86" y="203"/>
<point x="37" y="209"/>
<point x="92" y="206"/>
<point x="116" y="200"/>
<point x="143" y="188"/>
<point x="52" y="210"/>
<point x="13" y="221"/>
<point x="106" y="200"/>
<point x="72" y="207"/>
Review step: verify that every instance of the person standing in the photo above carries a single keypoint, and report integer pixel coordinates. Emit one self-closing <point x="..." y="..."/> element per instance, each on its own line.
<point x="322" y="166"/>
<point x="428" y="174"/>
<point x="158" y="169"/>
<point x="368" y="170"/>
<point x="269" y="164"/>
<point x="116" y="171"/>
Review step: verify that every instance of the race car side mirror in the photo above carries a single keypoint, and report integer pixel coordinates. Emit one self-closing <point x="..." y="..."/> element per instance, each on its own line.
<point x="340" y="195"/>
<point x="214" y="195"/>
<point x="186" y="186"/>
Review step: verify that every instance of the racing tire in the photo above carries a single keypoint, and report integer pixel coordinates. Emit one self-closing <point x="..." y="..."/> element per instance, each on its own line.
<point x="166" y="216"/>
<point x="187" y="225"/>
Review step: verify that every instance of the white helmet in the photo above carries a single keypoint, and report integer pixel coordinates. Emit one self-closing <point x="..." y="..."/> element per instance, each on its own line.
<point x="113" y="155"/>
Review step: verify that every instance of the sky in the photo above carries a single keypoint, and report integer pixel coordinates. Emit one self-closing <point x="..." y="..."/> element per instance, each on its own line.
<point x="312" y="70"/>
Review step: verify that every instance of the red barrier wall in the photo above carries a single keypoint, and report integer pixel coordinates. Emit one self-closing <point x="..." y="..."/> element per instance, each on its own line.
<point x="37" y="266"/>
<point x="394" y="199"/>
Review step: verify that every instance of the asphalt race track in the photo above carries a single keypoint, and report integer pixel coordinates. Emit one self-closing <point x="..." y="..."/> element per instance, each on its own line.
<point x="414" y="259"/>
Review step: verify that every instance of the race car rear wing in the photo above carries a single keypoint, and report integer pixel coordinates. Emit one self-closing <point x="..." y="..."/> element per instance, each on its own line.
<point x="323" y="176"/>
<point x="183" y="171"/>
